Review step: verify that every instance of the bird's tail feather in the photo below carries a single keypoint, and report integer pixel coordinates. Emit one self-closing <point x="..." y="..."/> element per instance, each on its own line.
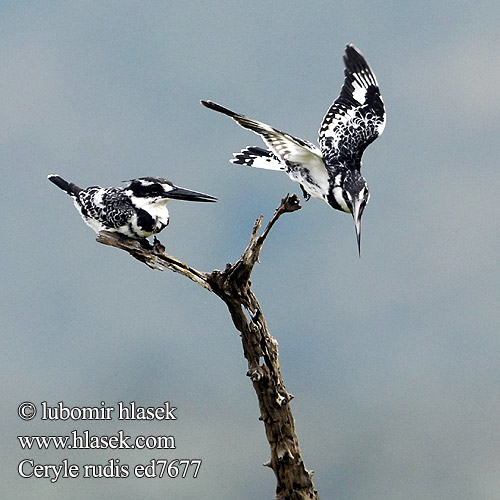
<point x="257" y="158"/>
<point x="69" y="187"/>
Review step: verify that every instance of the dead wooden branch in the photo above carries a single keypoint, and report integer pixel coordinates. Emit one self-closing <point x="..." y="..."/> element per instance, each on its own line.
<point x="294" y="481"/>
<point x="154" y="256"/>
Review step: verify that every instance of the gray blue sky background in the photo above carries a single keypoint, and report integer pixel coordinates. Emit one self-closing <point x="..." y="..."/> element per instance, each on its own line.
<point x="394" y="358"/>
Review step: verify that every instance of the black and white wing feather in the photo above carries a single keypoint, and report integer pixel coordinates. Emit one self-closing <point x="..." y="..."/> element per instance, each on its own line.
<point x="108" y="206"/>
<point x="252" y="156"/>
<point x="356" y="118"/>
<point x="300" y="159"/>
<point x="290" y="150"/>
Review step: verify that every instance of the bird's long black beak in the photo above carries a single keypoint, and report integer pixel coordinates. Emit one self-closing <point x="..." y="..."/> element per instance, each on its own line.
<point x="187" y="195"/>
<point x="356" y="215"/>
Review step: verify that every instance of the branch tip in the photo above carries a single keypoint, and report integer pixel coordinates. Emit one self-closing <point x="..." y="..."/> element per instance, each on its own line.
<point x="290" y="203"/>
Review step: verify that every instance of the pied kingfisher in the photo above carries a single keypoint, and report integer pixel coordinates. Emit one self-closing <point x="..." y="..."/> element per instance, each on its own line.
<point x="332" y="171"/>
<point x="137" y="211"/>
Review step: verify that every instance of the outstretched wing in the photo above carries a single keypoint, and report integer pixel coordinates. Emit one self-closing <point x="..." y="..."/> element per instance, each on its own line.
<point x="356" y="118"/>
<point x="291" y="151"/>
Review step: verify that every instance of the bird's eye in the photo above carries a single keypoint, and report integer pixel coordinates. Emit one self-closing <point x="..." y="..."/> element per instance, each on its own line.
<point x="148" y="190"/>
<point x="156" y="190"/>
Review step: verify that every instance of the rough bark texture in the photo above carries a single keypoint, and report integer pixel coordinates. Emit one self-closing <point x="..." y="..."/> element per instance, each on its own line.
<point x="294" y="481"/>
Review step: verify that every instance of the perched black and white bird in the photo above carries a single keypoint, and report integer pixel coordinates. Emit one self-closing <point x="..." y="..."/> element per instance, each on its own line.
<point x="137" y="211"/>
<point x="332" y="171"/>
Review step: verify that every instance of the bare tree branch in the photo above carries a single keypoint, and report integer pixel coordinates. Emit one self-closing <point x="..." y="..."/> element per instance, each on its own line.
<point x="294" y="481"/>
<point x="153" y="256"/>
